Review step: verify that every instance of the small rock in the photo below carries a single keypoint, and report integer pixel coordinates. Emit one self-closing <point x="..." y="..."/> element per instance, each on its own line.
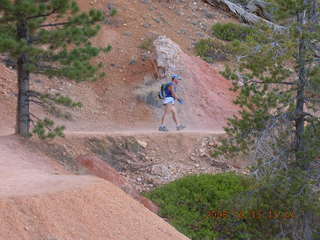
<point x="37" y="81"/>
<point x="142" y="143"/>
<point x="146" y="25"/>
<point x="200" y="34"/>
<point x="179" y="13"/>
<point x="128" y="34"/>
<point x="182" y="31"/>
<point x="157" y="20"/>
<point x="209" y="15"/>
<point x="133" y="60"/>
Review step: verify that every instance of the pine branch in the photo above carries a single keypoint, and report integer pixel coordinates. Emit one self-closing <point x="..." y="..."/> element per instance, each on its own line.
<point x="43" y="68"/>
<point x="35" y="116"/>
<point x="285" y="83"/>
<point x="32" y="122"/>
<point x="43" y="15"/>
<point x="37" y="102"/>
<point x="34" y="94"/>
<point x="49" y="129"/>
<point x="55" y="24"/>
<point x="307" y="99"/>
<point x="5" y="20"/>
<point x="64" y="23"/>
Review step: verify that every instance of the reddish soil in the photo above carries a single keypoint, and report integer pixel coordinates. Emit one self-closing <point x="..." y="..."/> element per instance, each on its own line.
<point x="39" y="200"/>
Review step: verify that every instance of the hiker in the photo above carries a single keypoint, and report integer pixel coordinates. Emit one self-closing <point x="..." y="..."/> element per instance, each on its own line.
<point x="168" y="94"/>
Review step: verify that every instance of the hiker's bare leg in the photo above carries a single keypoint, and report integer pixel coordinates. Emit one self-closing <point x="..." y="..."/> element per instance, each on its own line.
<point x="166" y="110"/>
<point x="175" y="115"/>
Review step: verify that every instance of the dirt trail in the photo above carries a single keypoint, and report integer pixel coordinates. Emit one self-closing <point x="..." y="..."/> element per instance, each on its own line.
<point x="25" y="171"/>
<point x="143" y="132"/>
<point x="40" y="200"/>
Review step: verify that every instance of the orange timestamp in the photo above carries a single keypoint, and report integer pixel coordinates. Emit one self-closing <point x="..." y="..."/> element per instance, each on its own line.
<point x="254" y="214"/>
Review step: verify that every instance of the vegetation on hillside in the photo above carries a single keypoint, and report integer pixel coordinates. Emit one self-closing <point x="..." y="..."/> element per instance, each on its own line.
<point x="231" y="31"/>
<point x="194" y="204"/>
<point x="212" y="50"/>
<point x="278" y="123"/>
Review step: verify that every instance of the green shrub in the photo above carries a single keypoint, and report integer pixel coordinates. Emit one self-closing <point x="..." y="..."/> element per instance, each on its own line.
<point x="212" y="50"/>
<point x="231" y="31"/>
<point x="188" y="201"/>
<point x="147" y="44"/>
<point x="235" y="207"/>
<point x="113" y="12"/>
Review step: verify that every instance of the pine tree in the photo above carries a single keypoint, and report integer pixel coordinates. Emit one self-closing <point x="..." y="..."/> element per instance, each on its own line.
<point x="48" y="37"/>
<point x="277" y="79"/>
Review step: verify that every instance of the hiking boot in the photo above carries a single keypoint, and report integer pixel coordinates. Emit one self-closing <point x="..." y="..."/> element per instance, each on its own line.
<point x="180" y="127"/>
<point x="163" y="129"/>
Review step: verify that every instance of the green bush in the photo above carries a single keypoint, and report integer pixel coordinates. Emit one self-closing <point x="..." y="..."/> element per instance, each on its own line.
<point x="235" y="207"/>
<point x="147" y="44"/>
<point x="113" y="12"/>
<point x="187" y="202"/>
<point x="231" y="31"/>
<point x="212" y="50"/>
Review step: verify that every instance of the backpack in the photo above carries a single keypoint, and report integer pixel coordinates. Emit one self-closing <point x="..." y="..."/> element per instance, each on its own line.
<point x="162" y="93"/>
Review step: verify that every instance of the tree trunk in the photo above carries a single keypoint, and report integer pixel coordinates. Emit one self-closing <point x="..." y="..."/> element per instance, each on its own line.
<point x="23" y="115"/>
<point x="304" y="18"/>
<point x="300" y="119"/>
<point x="300" y="100"/>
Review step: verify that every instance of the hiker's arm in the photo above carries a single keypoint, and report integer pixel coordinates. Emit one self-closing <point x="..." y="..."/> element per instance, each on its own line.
<point x="171" y="89"/>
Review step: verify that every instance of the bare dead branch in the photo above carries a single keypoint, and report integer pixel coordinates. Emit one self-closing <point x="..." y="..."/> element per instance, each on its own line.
<point x="239" y="12"/>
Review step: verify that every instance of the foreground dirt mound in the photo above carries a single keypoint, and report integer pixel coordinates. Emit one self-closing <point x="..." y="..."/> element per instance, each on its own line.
<point x="94" y="210"/>
<point x="38" y="200"/>
<point x="102" y="169"/>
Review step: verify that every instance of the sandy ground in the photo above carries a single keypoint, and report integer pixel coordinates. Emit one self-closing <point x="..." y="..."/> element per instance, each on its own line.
<point x="39" y="200"/>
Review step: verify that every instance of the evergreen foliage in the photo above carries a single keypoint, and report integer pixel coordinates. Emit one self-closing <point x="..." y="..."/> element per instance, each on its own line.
<point x="231" y="31"/>
<point x="147" y="44"/>
<point x="51" y="38"/>
<point x="113" y="12"/>
<point x="212" y="50"/>
<point x="277" y="81"/>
